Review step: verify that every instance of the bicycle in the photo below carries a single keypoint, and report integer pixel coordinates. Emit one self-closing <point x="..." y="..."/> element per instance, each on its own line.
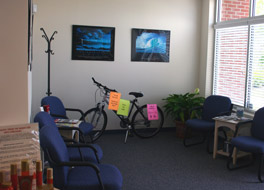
<point x="137" y="123"/>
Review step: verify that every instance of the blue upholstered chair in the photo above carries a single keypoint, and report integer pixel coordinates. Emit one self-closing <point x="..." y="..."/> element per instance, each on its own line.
<point x="77" y="151"/>
<point x="73" y="175"/>
<point x="57" y="110"/>
<point x="253" y="143"/>
<point x="213" y="106"/>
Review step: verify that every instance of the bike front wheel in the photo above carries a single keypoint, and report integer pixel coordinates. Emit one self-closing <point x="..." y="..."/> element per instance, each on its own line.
<point x="99" y="121"/>
<point x="143" y="127"/>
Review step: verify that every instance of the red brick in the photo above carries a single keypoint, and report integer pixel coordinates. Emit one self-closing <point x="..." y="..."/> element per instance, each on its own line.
<point x="230" y="5"/>
<point x="236" y="2"/>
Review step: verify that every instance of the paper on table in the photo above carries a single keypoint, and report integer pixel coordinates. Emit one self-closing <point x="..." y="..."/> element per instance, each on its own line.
<point x="71" y="121"/>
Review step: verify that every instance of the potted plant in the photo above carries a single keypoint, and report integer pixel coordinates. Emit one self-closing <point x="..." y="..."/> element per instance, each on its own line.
<point x="182" y="107"/>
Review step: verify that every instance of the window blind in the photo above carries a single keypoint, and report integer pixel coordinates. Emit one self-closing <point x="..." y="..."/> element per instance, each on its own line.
<point x="255" y="87"/>
<point x="231" y="63"/>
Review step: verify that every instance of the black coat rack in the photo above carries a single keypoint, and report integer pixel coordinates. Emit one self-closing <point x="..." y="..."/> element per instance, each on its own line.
<point x="49" y="51"/>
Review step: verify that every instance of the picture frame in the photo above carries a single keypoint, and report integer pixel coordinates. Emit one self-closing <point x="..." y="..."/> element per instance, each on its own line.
<point x="150" y="45"/>
<point x="93" y="43"/>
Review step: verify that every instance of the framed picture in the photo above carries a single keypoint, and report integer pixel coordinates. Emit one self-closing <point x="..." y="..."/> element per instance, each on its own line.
<point x="93" y="43"/>
<point x="150" y="45"/>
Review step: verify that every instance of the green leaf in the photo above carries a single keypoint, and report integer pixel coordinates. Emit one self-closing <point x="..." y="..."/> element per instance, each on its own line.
<point x="180" y="106"/>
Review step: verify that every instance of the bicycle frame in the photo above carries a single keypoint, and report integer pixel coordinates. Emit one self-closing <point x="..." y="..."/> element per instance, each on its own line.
<point x="125" y="121"/>
<point x="101" y="105"/>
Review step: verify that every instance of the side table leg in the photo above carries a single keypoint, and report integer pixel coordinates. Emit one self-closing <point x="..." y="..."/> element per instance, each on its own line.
<point x="234" y="156"/>
<point x="215" y="140"/>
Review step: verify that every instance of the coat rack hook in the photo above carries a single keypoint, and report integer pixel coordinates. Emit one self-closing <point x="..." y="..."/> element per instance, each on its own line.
<point x="49" y="52"/>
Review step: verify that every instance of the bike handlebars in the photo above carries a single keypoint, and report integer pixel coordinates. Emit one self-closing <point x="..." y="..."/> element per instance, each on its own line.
<point x="102" y="86"/>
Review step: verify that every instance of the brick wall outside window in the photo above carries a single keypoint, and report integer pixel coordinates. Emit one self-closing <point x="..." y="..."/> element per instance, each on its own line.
<point x="232" y="53"/>
<point x="234" y="9"/>
<point x="231" y="60"/>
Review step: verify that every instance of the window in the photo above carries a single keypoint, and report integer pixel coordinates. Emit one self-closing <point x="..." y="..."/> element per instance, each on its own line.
<point x="239" y="52"/>
<point x="258" y="8"/>
<point x="255" y="87"/>
<point x="231" y="63"/>
<point x="233" y="9"/>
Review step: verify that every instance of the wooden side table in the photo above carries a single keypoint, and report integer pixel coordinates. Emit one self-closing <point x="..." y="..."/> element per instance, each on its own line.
<point x="230" y="122"/>
<point x="69" y="133"/>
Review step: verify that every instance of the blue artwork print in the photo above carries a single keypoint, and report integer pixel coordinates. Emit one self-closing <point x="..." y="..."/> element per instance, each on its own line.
<point x="93" y="43"/>
<point x="151" y="43"/>
<point x="96" y="40"/>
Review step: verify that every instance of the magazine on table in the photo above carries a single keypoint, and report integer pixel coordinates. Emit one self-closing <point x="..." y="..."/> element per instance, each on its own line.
<point x="68" y="121"/>
<point x="232" y="118"/>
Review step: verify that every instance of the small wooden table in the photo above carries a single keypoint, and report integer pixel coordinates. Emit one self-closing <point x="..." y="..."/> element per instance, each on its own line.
<point x="69" y="133"/>
<point x="230" y="122"/>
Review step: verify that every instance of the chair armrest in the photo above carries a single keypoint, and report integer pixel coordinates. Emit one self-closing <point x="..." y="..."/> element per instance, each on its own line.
<point x="240" y="124"/>
<point x="78" y="163"/>
<point x="224" y="113"/>
<point x="76" y="110"/>
<point x="81" y="145"/>
<point x="196" y="108"/>
<point x="59" y="116"/>
<point x="86" y="164"/>
<point x="77" y="144"/>
<point x="65" y="139"/>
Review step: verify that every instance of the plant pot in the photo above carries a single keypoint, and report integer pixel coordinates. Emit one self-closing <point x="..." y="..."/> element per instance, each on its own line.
<point x="180" y="130"/>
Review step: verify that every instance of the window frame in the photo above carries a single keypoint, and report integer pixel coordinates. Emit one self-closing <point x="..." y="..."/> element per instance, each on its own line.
<point x="251" y="20"/>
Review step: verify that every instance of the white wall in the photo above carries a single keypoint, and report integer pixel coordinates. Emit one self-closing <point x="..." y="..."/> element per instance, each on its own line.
<point x="71" y="80"/>
<point x="13" y="62"/>
<point x="207" y="49"/>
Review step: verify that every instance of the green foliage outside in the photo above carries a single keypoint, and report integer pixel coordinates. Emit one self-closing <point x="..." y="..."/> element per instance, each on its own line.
<point x="258" y="77"/>
<point x="259" y="7"/>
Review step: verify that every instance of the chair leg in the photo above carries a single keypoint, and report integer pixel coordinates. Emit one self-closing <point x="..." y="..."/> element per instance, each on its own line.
<point x="185" y="136"/>
<point x="191" y="144"/>
<point x="85" y="139"/>
<point x="260" y="167"/>
<point x="230" y="165"/>
<point x="224" y="132"/>
<point x="230" y="160"/>
<point x="209" y="138"/>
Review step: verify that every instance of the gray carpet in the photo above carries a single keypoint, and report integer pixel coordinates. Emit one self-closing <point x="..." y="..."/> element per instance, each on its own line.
<point x="163" y="163"/>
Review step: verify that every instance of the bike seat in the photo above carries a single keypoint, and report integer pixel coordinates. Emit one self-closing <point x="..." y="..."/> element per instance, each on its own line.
<point x="136" y="94"/>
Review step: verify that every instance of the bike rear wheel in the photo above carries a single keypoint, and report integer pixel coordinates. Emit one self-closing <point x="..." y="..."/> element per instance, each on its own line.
<point x="143" y="127"/>
<point x="99" y="121"/>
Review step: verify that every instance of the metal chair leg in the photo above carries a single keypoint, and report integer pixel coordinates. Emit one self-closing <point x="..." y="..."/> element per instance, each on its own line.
<point x="229" y="160"/>
<point x="185" y="136"/>
<point x="260" y="168"/>
<point x="209" y="138"/>
<point x="191" y="144"/>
